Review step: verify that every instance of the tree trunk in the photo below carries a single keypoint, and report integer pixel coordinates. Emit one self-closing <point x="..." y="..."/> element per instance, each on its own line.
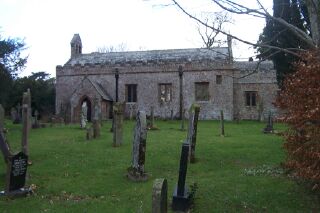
<point x="314" y="15"/>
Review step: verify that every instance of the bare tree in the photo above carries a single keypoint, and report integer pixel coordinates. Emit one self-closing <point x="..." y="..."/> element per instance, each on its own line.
<point x="209" y="36"/>
<point x="261" y="12"/>
<point x="122" y="47"/>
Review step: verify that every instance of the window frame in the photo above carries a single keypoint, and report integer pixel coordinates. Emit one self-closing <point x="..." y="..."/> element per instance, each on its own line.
<point x="202" y="83"/>
<point x="133" y="96"/>
<point x="167" y="87"/>
<point x="251" y="98"/>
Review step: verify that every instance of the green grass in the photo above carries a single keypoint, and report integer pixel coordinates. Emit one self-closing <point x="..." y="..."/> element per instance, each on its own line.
<point x="74" y="175"/>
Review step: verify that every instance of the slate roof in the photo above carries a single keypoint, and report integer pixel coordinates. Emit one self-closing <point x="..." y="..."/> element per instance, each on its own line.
<point x="178" y="55"/>
<point x="264" y="66"/>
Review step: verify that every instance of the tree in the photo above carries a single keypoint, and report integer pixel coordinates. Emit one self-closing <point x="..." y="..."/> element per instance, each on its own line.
<point x="273" y="34"/>
<point x="261" y="12"/>
<point x="300" y="98"/>
<point x="11" y="63"/>
<point x="42" y="89"/>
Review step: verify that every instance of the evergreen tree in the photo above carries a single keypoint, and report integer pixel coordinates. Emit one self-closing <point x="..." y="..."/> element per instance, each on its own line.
<point x="293" y="12"/>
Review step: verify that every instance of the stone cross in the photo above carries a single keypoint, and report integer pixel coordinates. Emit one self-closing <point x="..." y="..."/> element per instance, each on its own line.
<point x="26" y="123"/>
<point x="159" y="196"/>
<point x="136" y="172"/>
<point x="192" y="130"/>
<point x="118" y="109"/>
<point x="181" y="196"/>
<point x="269" y="127"/>
<point x="221" y="123"/>
<point x="84" y="110"/>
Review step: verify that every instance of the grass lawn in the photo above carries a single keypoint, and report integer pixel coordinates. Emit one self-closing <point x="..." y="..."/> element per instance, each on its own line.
<point x="74" y="175"/>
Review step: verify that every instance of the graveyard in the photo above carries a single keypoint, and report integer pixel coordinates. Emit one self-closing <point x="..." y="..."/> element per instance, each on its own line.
<point x="238" y="171"/>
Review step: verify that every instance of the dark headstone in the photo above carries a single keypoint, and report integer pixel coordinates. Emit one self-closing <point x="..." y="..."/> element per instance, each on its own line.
<point x="159" y="196"/>
<point x="16" y="175"/>
<point x="192" y="130"/>
<point x="96" y="128"/>
<point x="17" y="113"/>
<point x="36" y="123"/>
<point x="221" y="123"/>
<point x="181" y="197"/>
<point x="269" y="127"/>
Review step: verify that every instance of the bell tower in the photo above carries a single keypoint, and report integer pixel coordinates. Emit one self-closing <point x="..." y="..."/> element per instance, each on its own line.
<point x="76" y="46"/>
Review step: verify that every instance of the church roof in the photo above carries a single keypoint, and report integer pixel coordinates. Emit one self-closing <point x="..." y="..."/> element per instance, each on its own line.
<point x="178" y="55"/>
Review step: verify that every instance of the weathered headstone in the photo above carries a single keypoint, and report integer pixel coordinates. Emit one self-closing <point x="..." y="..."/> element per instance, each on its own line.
<point x="25" y="123"/>
<point x="192" y="130"/>
<point x="17" y="118"/>
<point x="181" y="197"/>
<point x="4" y="147"/>
<point x="221" y="123"/>
<point x="171" y="115"/>
<point x="118" y="109"/>
<point x="159" y="196"/>
<point x="269" y="127"/>
<point x="136" y="172"/>
<point x="84" y="110"/>
<point x="36" y="123"/>
<point x="89" y="133"/>
<point x="96" y="123"/>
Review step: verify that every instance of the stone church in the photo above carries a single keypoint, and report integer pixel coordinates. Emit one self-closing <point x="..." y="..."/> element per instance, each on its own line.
<point x="167" y="80"/>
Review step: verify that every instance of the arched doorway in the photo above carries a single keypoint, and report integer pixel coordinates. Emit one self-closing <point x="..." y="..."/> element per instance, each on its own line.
<point x="87" y="101"/>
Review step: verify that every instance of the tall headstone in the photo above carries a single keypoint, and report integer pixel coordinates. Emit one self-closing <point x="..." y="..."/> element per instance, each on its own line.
<point x="182" y="128"/>
<point x="221" y="123"/>
<point x="118" y="109"/>
<point x="25" y="123"/>
<point x="28" y="101"/>
<point x="159" y="196"/>
<point x="96" y="123"/>
<point x="5" y="149"/>
<point x="36" y="123"/>
<point x="192" y="130"/>
<point x="84" y="110"/>
<point x="17" y="118"/>
<point x="181" y="197"/>
<point x="269" y="127"/>
<point x="137" y="172"/>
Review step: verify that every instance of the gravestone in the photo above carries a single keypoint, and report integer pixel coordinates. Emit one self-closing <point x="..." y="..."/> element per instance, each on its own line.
<point x="221" y="123"/>
<point x="36" y="123"/>
<point x="4" y="146"/>
<point x="182" y="128"/>
<point x="171" y="115"/>
<point x="17" y="118"/>
<point x="159" y="196"/>
<point x="13" y="112"/>
<point x="84" y="110"/>
<point x="192" y="130"/>
<point x="96" y="123"/>
<point x="25" y="123"/>
<point x="118" y="109"/>
<point x="269" y="127"/>
<point x="181" y="199"/>
<point x="136" y="172"/>
<point x="28" y="102"/>
<point x="152" y="117"/>
<point x="89" y="134"/>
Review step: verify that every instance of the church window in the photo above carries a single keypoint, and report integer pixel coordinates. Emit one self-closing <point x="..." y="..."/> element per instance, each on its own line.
<point x="218" y="79"/>
<point x="131" y="93"/>
<point x="251" y="98"/>
<point x="202" y="91"/>
<point x="165" y="92"/>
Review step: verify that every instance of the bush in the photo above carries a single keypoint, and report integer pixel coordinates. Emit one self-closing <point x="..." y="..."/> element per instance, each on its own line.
<point x="300" y="98"/>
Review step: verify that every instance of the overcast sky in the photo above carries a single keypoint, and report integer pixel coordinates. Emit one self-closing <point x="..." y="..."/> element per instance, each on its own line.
<point x="48" y="26"/>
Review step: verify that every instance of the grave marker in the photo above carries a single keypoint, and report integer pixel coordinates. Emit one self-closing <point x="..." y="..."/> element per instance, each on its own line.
<point x="96" y="123"/>
<point x="269" y="127"/>
<point x="192" y="130"/>
<point x="159" y="196"/>
<point x="181" y="197"/>
<point x="84" y="110"/>
<point x="221" y="123"/>
<point x="136" y="172"/>
<point x="118" y="109"/>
